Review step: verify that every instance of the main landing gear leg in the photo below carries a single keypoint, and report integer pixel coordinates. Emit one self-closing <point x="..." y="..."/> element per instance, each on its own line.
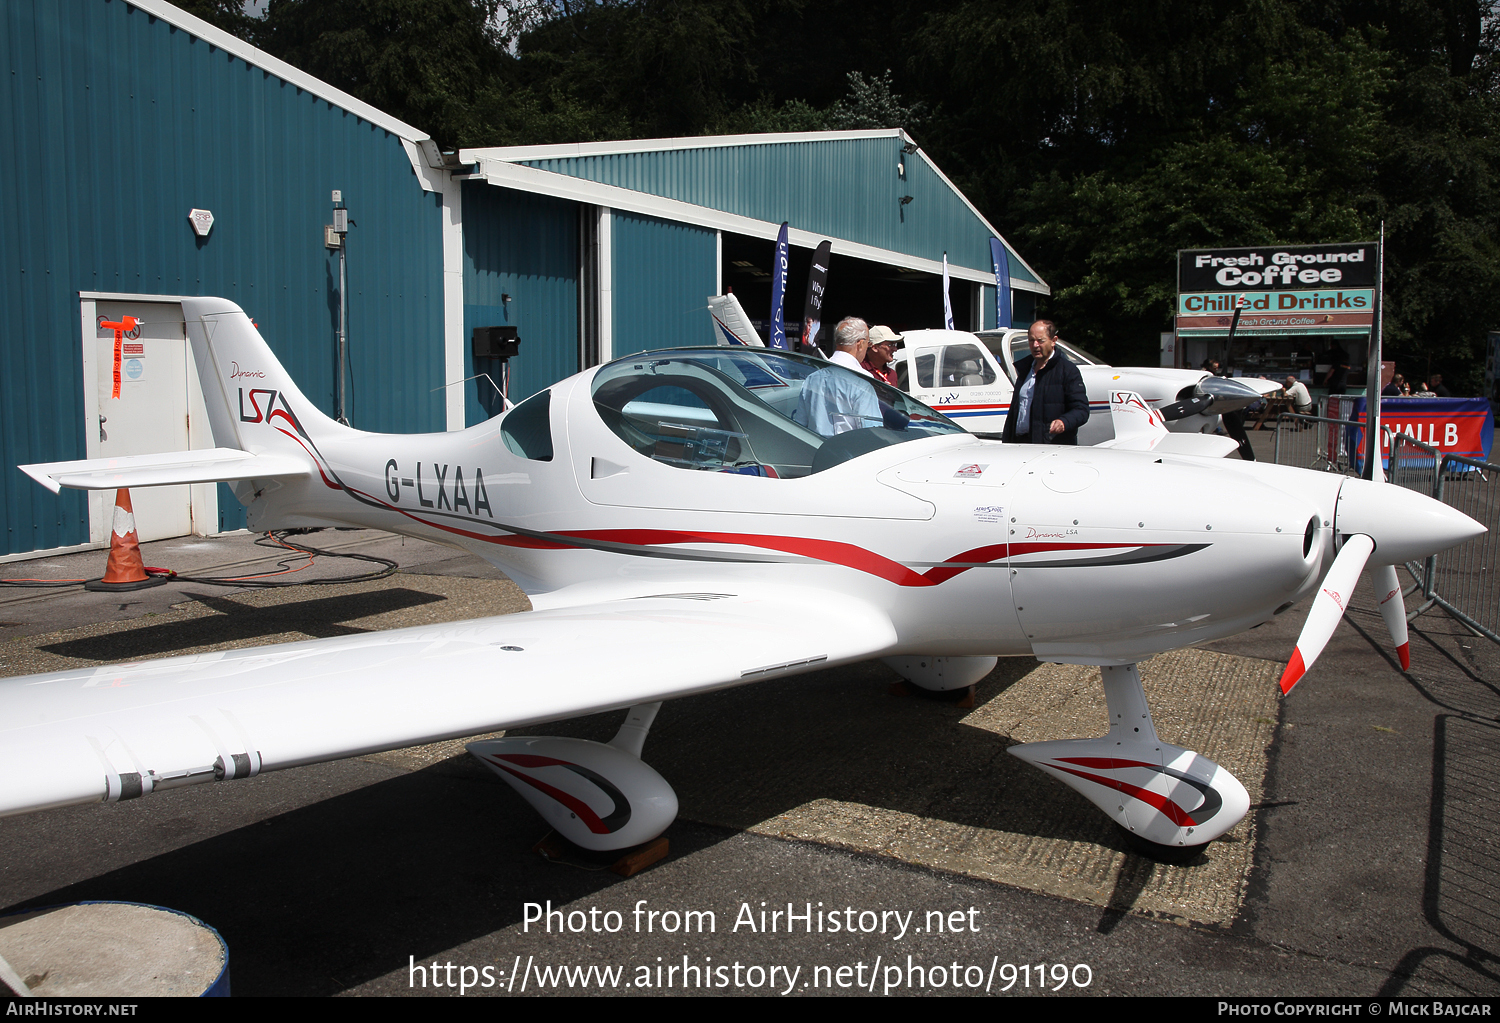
<point x="599" y="796"/>
<point x="1160" y="793"/>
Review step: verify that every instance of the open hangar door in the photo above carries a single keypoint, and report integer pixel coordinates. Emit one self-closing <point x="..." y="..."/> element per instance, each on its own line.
<point x="901" y="299"/>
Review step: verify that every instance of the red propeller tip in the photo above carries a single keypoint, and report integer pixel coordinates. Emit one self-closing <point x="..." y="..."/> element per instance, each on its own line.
<point x="1404" y="652"/>
<point x="1294" y="671"/>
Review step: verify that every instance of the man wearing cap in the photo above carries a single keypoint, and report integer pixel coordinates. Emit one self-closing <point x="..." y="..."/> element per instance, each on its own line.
<point x="879" y="358"/>
<point x="1052" y="401"/>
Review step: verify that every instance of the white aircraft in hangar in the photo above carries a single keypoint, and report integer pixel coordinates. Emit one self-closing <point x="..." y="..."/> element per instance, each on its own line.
<point x="682" y="525"/>
<point x="970" y="378"/>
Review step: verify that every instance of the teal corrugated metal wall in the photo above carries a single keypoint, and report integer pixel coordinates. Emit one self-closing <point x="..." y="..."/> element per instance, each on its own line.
<point x="524" y="246"/>
<point x="117" y="124"/>
<point x="663" y="275"/>
<point x="844" y="188"/>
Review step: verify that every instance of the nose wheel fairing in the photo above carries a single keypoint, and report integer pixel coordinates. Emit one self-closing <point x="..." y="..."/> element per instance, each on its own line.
<point x="1163" y="793"/>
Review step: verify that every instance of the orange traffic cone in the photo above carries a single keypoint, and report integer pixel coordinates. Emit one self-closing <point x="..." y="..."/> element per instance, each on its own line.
<point x="124" y="570"/>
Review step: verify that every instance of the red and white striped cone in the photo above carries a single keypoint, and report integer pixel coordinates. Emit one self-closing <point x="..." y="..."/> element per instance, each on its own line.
<point x="125" y="570"/>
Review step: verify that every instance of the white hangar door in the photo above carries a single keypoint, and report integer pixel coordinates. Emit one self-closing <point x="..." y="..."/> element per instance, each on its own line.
<point x="152" y="414"/>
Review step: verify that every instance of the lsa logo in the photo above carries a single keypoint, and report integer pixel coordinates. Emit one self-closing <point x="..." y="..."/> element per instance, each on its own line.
<point x="264" y="403"/>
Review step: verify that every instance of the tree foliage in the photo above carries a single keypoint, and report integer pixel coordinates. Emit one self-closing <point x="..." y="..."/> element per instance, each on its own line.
<point x="1101" y="137"/>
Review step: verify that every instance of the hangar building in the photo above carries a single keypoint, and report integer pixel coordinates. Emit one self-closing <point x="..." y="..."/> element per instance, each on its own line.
<point x="132" y="123"/>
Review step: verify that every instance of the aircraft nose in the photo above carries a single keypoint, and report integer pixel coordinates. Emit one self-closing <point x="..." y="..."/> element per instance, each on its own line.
<point x="1406" y="526"/>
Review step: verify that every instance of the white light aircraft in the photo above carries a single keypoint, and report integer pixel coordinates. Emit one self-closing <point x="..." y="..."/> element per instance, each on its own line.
<point x="970" y="379"/>
<point x="681" y="525"/>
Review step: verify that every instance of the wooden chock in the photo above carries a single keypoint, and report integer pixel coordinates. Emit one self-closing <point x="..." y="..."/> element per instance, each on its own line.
<point x="642" y="856"/>
<point x="626" y="862"/>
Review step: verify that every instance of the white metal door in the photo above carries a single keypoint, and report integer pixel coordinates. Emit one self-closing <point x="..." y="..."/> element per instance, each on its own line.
<point x="151" y="413"/>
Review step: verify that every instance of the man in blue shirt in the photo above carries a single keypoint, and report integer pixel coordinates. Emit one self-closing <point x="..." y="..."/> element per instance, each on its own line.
<point x="1051" y="402"/>
<point x="833" y="401"/>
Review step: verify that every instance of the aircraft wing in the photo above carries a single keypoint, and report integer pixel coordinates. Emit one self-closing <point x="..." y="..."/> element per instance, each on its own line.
<point x="212" y="465"/>
<point x="119" y="731"/>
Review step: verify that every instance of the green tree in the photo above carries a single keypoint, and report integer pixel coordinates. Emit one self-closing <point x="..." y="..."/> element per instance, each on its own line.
<point x="1101" y="136"/>
<point x="1106" y="139"/>
<point x="424" y="61"/>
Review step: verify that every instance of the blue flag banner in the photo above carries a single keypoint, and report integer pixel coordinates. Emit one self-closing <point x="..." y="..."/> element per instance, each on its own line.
<point x="1000" y="259"/>
<point x="778" y="291"/>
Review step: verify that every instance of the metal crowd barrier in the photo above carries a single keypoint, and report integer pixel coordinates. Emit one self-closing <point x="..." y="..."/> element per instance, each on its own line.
<point x="1314" y="442"/>
<point x="1414" y="465"/>
<point x="1461" y="581"/>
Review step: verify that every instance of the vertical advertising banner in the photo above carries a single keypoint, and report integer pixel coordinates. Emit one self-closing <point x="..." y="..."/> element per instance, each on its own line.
<point x="778" y="290"/>
<point x="1000" y="260"/>
<point x="817" y="280"/>
<point x="1279" y="290"/>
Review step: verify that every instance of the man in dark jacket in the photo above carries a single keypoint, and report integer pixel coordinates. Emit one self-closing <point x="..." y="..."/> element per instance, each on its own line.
<point x="1050" y="403"/>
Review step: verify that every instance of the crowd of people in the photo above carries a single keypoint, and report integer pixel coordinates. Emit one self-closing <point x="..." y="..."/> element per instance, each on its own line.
<point x="1050" y="403"/>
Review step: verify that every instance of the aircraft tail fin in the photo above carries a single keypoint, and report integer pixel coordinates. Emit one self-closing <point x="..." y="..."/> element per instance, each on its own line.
<point x="1138" y="427"/>
<point x="245" y="387"/>
<point x="263" y="427"/>
<point x="731" y="325"/>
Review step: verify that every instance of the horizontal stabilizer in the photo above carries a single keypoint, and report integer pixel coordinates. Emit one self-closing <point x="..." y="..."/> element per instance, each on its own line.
<point x="1138" y="427"/>
<point x="213" y="465"/>
<point x="1209" y="445"/>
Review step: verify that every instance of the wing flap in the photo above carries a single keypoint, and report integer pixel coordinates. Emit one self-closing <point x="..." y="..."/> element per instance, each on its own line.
<point x="104" y="733"/>
<point x="213" y="465"/>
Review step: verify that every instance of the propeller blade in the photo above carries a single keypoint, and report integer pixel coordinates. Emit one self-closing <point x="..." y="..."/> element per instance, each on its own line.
<point x="1392" y="609"/>
<point x="1328" y="607"/>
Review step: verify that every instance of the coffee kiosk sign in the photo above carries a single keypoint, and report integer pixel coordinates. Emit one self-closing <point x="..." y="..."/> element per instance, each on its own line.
<point x="1280" y="290"/>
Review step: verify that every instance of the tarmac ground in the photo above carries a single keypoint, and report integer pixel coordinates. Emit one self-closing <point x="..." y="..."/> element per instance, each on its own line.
<point x="916" y="855"/>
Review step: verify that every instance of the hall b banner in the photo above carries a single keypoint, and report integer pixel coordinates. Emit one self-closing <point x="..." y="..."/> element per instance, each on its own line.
<point x="1455" y="426"/>
<point x="1282" y="289"/>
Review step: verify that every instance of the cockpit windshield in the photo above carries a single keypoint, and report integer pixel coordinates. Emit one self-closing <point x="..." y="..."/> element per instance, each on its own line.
<point x="754" y="411"/>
